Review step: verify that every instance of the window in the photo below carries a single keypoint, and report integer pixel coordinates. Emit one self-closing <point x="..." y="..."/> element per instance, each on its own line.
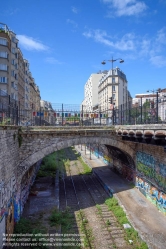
<point x="14" y="85"/>
<point x="13" y="61"/>
<point x="14" y="96"/>
<point x="3" y="67"/>
<point x="113" y="88"/>
<point x="3" y="92"/>
<point x="13" y="39"/>
<point x="3" y="55"/>
<point x="3" y="41"/>
<point x="13" y="73"/>
<point x="113" y="80"/>
<point x="13" y="50"/>
<point x="3" y="79"/>
<point x="114" y="96"/>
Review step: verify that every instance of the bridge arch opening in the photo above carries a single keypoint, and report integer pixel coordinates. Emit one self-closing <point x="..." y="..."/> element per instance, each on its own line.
<point x="121" y="154"/>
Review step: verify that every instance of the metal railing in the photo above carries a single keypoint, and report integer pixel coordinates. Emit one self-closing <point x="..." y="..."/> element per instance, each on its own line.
<point x="11" y="113"/>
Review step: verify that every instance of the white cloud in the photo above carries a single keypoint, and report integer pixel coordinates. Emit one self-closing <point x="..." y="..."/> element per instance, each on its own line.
<point x="125" y="43"/>
<point x="52" y="60"/>
<point x="74" y="10"/>
<point x="133" y="46"/>
<point x="126" y="7"/>
<point x="158" y="61"/>
<point x="30" y="43"/>
<point x="72" y="22"/>
<point x="161" y="36"/>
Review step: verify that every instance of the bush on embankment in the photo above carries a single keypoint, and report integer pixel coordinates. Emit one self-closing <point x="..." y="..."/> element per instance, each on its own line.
<point x="48" y="166"/>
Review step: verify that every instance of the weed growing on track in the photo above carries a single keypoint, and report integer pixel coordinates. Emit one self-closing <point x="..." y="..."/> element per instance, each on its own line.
<point x="88" y="239"/>
<point x="30" y="227"/>
<point x="99" y="209"/>
<point x="87" y="169"/>
<point x="130" y="233"/>
<point x="61" y="218"/>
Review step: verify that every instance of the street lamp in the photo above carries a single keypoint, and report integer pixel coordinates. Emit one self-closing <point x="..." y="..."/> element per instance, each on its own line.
<point x="157" y="92"/>
<point x="104" y="62"/>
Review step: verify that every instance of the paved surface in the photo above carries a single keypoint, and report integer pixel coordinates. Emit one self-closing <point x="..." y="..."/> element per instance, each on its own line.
<point x="143" y="215"/>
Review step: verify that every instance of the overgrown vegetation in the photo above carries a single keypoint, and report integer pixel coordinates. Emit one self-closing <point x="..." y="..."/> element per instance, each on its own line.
<point x="88" y="238"/>
<point x="48" y="166"/>
<point x="25" y="226"/>
<point x="87" y="170"/>
<point x="61" y="218"/>
<point x="130" y="233"/>
<point x="6" y="121"/>
<point x="64" y="219"/>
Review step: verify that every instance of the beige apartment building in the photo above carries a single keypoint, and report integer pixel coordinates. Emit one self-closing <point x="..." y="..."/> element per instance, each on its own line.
<point x="21" y="80"/>
<point x="15" y="77"/>
<point x="113" y="85"/>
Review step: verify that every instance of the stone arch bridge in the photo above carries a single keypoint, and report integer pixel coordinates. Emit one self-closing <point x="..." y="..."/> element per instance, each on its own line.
<point x="132" y="150"/>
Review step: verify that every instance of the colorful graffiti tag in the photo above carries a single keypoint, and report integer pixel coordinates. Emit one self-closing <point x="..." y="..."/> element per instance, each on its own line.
<point x="101" y="152"/>
<point x="153" y="182"/>
<point x="148" y="166"/>
<point x="152" y="193"/>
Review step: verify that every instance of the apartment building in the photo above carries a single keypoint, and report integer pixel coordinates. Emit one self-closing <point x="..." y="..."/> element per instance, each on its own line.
<point x="5" y="60"/>
<point x="48" y="112"/>
<point x="152" y="98"/>
<point x="21" y="80"/>
<point x="15" y="77"/>
<point x="143" y="97"/>
<point x="91" y="91"/>
<point x="113" y="86"/>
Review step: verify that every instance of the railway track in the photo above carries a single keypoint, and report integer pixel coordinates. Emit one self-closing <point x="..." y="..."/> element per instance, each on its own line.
<point x="85" y="193"/>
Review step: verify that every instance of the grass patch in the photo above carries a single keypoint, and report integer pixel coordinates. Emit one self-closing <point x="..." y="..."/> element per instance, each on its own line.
<point x="51" y="163"/>
<point x="32" y="227"/>
<point x="87" y="170"/>
<point x="65" y="219"/>
<point x="130" y="233"/>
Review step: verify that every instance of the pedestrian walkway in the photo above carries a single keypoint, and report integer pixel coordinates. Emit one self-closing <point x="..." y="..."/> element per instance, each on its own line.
<point x="143" y="215"/>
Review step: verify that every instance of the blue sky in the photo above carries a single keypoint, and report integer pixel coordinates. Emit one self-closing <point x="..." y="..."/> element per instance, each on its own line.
<point x="66" y="40"/>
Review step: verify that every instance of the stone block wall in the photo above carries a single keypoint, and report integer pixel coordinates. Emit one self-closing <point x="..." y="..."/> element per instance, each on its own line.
<point x="13" y="190"/>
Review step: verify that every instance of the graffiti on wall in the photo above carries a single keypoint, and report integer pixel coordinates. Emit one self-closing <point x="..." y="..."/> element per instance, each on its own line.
<point x="17" y="194"/>
<point x="152" y="182"/>
<point x="153" y="170"/>
<point x="101" y="152"/>
<point x="152" y="193"/>
<point x="6" y="194"/>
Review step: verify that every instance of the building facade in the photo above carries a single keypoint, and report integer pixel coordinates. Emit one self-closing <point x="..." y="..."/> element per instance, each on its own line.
<point x="16" y="81"/>
<point x="155" y="101"/>
<point x="112" y="89"/>
<point x="91" y="91"/>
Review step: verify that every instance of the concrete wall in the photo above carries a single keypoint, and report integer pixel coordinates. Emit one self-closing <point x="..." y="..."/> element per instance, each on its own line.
<point x="149" y="173"/>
